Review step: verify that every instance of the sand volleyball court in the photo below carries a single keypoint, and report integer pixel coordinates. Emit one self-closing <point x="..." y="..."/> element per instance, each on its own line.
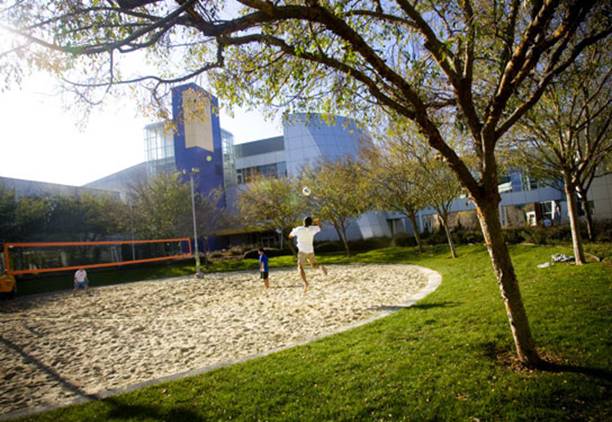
<point x="62" y="347"/>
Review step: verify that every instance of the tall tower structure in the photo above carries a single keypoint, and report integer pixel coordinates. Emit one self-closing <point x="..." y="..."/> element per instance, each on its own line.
<point x="197" y="136"/>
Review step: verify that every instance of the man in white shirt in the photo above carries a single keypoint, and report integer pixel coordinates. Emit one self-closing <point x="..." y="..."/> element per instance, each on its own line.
<point x="80" y="279"/>
<point x="305" y="235"/>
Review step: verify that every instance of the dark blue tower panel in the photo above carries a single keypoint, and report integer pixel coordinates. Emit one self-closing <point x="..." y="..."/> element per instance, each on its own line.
<point x="197" y="139"/>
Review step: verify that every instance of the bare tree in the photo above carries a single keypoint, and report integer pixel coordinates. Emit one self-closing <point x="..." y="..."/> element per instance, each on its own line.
<point x="391" y="178"/>
<point x="487" y="62"/>
<point x="440" y="188"/>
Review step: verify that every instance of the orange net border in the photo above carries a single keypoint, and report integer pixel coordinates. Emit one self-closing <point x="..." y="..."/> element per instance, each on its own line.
<point x="8" y="246"/>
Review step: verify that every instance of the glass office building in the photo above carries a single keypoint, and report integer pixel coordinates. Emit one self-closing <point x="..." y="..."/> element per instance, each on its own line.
<point x="310" y="138"/>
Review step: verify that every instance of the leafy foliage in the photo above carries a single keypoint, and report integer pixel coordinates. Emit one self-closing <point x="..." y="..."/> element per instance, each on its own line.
<point x="339" y="193"/>
<point x="271" y="203"/>
<point x="60" y="218"/>
<point x="161" y="208"/>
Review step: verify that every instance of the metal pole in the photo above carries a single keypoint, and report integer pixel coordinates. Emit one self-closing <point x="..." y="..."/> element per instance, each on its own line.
<point x="132" y="229"/>
<point x="195" y="230"/>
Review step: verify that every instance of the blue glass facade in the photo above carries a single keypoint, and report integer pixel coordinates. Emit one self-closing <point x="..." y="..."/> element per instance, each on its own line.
<point x="309" y="139"/>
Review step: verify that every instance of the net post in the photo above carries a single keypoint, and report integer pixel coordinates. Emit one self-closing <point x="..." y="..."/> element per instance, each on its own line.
<point x="7" y="260"/>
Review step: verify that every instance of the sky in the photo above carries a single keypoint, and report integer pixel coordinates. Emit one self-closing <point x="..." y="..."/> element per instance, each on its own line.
<point x="40" y="137"/>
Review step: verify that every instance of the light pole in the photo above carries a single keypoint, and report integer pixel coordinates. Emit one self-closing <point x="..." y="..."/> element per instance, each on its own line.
<point x="132" y="228"/>
<point x="198" y="272"/>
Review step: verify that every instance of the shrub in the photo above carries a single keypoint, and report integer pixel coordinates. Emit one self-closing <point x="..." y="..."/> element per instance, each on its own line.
<point x="329" y="246"/>
<point x="603" y="231"/>
<point x="404" y="239"/>
<point x="465" y="236"/>
<point x="434" y="238"/>
<point x="215" y="254"/>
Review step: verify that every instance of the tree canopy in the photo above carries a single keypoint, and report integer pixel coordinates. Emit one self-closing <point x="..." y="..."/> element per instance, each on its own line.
<point x="60" y="218"/>
<point x="161" y="208"/>
<point x="566" y="136"/>
<point x="271" y="203"/>
<point x="339" y="194"/>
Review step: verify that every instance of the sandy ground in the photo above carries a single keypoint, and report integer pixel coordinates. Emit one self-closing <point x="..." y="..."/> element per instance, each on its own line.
<point x="59" y="347"/>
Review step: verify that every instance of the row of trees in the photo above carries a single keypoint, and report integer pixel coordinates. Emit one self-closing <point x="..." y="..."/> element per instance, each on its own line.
<point x="395" y="177"/>
<point x="160" y="208"/>
<point x="55" y="218"/>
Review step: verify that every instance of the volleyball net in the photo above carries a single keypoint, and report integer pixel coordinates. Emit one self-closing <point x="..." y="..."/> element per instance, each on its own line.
<point x="44" y="257"/>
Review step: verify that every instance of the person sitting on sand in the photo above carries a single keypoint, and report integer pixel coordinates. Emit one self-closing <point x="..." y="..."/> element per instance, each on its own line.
<point x="80" y="279"/>
<point x="264" y="270"/>
<point x="305" y="236"/>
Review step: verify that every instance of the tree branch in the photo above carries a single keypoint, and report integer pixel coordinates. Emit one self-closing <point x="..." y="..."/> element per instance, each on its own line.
<point x="546" y="79"/>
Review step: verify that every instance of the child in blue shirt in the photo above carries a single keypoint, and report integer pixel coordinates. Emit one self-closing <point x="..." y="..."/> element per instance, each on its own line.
<point x="263" y="267"/>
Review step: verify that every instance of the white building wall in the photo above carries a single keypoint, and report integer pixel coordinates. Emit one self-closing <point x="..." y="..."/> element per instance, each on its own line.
<point x="374" y="224"/>
<point x="601" y="195"/>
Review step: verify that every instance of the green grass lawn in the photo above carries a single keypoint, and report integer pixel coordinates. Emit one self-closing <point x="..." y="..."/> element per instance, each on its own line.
<point x="444" y="359"/>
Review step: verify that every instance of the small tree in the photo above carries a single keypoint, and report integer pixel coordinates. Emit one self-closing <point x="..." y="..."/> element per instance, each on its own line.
<point x="391" y="181"/>
<point x="440" y="188"/>
<point x="430" y="181"/>
<point x="162" y="208"/>
<point x="33" y="218"/>
<point x="104" y="215"/>
<point x="338" y="194"/>
<point x="271" y="203"/>
<point x="568" y="134"/>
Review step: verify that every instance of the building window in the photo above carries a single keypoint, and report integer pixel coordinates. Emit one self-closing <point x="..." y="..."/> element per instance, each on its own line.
<point x="159" y="143"/>
<point x="248" y="174"/>
<point x="530" y="183"/>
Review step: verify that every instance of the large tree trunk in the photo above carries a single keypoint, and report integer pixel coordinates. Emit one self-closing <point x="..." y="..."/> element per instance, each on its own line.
<point x="415" y="229"/>
<point x="572" y="211"/>
<point x="588" y="213"/>
<point x="488" y="216"/>
<point x="444" y="220"/>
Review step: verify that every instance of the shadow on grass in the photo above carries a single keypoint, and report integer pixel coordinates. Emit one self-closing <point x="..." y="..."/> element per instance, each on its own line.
<point x="423" y="306"/>
<point x="600" y="373"/>
<point x="508" y="358"/>
<point x="124" y="411"/>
